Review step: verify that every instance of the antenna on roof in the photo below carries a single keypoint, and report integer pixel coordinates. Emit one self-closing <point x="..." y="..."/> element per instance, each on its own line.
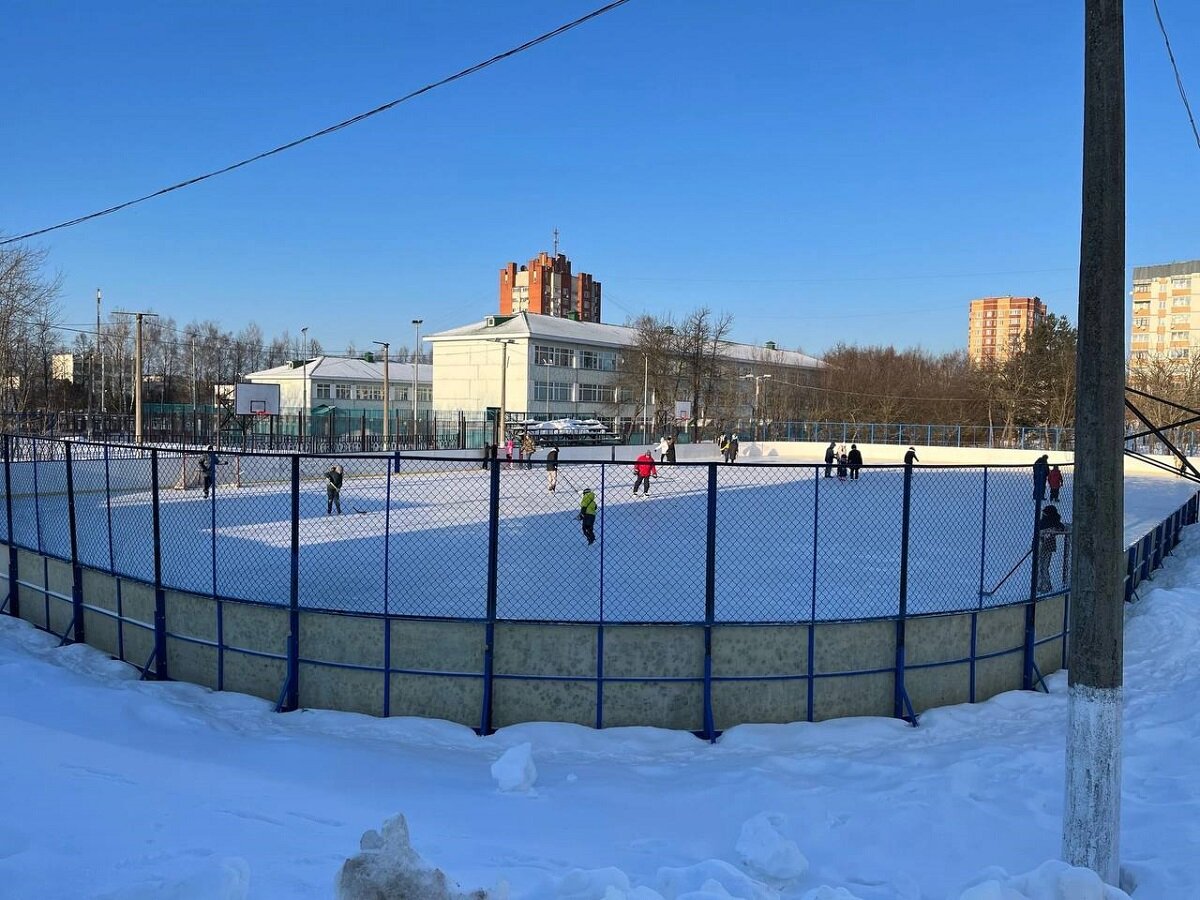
<point x="555" y="241"/>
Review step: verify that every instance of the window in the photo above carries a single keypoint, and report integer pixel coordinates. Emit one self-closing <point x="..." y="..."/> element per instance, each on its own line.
<point x="424" y="394"/>
<point x="1185" y="300"/>
<point x="1141" y="287"/>
<point x="1141" y="306"/>
<point x="1179" y="335"/>
<point x="1179" y="283"/>
<point x="595" y="393"/>
<point x="1141" y="322"/>
<point x="321" y="391"/>
<point x="370" y="392"/>
<point x="398" y="391"/>
<point x="550" y="391"/>
<point x="1178" y="353"/>
<point x="626" y="395"/>
<point x="589" y="359"/>
<point x="342" y="391"/>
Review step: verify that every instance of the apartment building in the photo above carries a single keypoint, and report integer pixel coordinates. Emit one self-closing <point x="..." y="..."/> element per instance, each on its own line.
<point x="326" y="383"/>
<point x="997" y="325"/>
<point x="1165" y="325"/>
<point x="546" y="286"/>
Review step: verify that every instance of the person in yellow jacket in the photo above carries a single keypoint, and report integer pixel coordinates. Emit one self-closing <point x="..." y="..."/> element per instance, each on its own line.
<point x="587" y="515"/>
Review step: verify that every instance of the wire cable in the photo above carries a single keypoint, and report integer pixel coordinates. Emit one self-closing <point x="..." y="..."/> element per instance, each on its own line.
<point x="1178" y="80"/>
<point x="353" y="120"/>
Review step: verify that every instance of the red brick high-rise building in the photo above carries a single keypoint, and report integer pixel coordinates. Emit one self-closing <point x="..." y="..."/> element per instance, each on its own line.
<point x="546" y="286"/>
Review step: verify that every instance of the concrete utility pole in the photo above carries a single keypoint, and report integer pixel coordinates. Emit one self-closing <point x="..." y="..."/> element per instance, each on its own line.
<point x="100" y="350"/>
<point x="416" y="369"/>
<point x="386" y="413"/>
<point x="137" y="370"/>
<point x="1092" y="811"/>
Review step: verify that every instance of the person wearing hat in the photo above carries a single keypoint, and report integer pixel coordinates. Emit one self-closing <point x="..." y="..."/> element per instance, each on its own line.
<point x="855" y="459"/>
<point x="1049" y="527"/>
<point x="911" y="457"/>
<point x="587" y="515"/>
<point x="1041" y="470"/>
<point x="830" y="454"/>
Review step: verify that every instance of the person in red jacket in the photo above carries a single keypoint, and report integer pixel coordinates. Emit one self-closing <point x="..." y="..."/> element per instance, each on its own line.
<point x="644" y="467"/>
<point x="1054" y="480"/>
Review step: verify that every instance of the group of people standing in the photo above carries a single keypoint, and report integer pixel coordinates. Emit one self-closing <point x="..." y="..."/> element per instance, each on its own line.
<point x="848" y="462"/>
<point x="729" y="447"/>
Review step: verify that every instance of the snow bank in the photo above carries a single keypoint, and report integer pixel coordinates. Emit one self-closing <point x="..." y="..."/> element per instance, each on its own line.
<point x="1052" y="880"/>
<point x="705" y="879"/>
<point x="389" y="867"/>
<point x="228" y="879"/>
<point x="767" y="852"/>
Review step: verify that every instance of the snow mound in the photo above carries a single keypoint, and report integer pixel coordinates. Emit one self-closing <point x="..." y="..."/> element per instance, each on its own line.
<point x="228" y="879"/>
<point x="389" y="867"/>
<point x="1052" y="880"/>
<point x="705" y="880"/>
<point x="767" y="852"/>
<point x="825" y="892"/>
<point x="514" y="771"/>
<point x="601" y="884"/>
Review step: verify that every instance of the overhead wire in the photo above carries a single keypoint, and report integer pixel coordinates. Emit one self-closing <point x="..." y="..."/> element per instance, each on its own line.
<point x="1178" y="79"/>
<point x="353" y="120"/>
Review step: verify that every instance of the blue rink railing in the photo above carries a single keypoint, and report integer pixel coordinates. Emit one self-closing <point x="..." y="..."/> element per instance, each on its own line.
<point x="45" y="496"/>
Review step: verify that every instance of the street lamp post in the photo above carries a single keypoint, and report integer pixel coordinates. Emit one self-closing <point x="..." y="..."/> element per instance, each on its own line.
<point x="386" y="390"/>
<point x="304" y="386"/>
<point x="416" y="368"/>
<point x="757" y="412"/>
<point x="503" y="342"/>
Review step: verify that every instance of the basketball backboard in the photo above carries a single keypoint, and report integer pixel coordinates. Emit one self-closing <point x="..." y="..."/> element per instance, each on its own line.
<point x="256" y="399"/>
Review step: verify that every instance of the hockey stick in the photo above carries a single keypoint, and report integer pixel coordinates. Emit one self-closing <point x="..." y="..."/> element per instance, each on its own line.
<point x="1028" y="553"/>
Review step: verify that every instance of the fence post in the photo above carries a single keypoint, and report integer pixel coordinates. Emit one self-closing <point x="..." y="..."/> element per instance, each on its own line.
<point x="160" y="600"/>
<point x="77" y="629"/>
<point x="387" y="568"/>
<point x="292" y="694"/>
<point x="1031" y="606"/>
<point x="14" y="600"/>
<point x="900" y="695"/>
<point x="710" y="597"/>
<point x="485" y="718"/>
<point x="983" y="538"/>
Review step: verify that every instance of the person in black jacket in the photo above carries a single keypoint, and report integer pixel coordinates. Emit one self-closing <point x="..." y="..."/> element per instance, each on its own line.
<point x="911" y="457"/>
<point x="1050" y="526"/>
<point x="1041" y="469"/>
<point x="552" y="469"/>
<point x="829" y="457"/>
<point x="333" y="490"/>
<point x="855" y="458"/>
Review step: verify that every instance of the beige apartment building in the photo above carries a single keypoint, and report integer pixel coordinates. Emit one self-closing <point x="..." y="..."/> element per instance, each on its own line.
<point x="996" y="326"/>
<point x="1166" y="315"/>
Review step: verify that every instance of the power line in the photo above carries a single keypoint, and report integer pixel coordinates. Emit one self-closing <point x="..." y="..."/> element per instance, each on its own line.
<point x="353" y="120"/>
<point x="1178" y="80"/>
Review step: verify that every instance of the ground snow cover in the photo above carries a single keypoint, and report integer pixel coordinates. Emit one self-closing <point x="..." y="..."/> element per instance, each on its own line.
<point x="126" y="790"/>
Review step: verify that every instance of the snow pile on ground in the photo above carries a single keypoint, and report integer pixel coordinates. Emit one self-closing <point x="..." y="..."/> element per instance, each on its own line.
<point x="1052" y="880"/>
<point x="766" y="851"/>
<point x="388" y="867"/>
<point x="514" y="771"/>
<point x="228" y="879"/>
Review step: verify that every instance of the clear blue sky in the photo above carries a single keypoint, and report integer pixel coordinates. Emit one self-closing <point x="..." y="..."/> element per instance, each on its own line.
<point x="823" y="171"/>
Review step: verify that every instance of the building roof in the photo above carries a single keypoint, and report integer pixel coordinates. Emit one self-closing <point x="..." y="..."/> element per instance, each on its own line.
<point x="531" y="326"/>
<point x="1191" y="267"/>
<point x="343" y="369"/>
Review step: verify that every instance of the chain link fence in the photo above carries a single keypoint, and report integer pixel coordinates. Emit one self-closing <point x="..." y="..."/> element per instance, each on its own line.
<point x="445" y="537"/>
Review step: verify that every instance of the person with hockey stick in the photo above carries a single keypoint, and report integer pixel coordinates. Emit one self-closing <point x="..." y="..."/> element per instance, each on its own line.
<point x="333" y="490"/>
<point x="733" y="447"/>
<point x="552" y="469"/>
<point x="830" y="456"/>
<point x="663" y="447"/>
<point x="671" y="450"/>
<point x="587" y="515"/>
<point x="644" y="467"/>
<point x="1049" y="527"/>
<point x="208" y="468"/>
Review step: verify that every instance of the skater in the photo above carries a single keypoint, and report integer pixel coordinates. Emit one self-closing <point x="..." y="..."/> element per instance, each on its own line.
<point x="587" y="515"/>
<point x="644" y="467"/>
<point x="508" y="452"/>
<point x="671" y="450"/>
<point x="1055" y="480"/>
<point x="830" y="455"/>
<point x="208" y="468"/>
<point x="528" y="447"/>
<point x="333" y="490"/>
<point x="1041" y="470"/>
<point x="552" y="469"/>
<point x="1050" y="526"/>
<point x="843" y="462"/>
<point x="733" y="448"/>
<point x="664" y="447"/>
<point x="910" y="457"/>
<point x="725" y="448"/>
<point x="855" y="460"/>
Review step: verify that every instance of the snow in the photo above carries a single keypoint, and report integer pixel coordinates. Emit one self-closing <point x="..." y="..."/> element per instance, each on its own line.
<point x="122" y="789"/>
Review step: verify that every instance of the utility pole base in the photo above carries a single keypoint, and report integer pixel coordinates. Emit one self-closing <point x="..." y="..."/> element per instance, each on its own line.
<point x="1092" y="812"/>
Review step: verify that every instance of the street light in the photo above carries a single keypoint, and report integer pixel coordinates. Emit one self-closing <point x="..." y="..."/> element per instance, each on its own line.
<point x="304" y="384"/>
<point x="503" y="342"/>
<point x="416" y="366"/>
<point x="758" y="380"/>
<point x="386" y="396"/>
